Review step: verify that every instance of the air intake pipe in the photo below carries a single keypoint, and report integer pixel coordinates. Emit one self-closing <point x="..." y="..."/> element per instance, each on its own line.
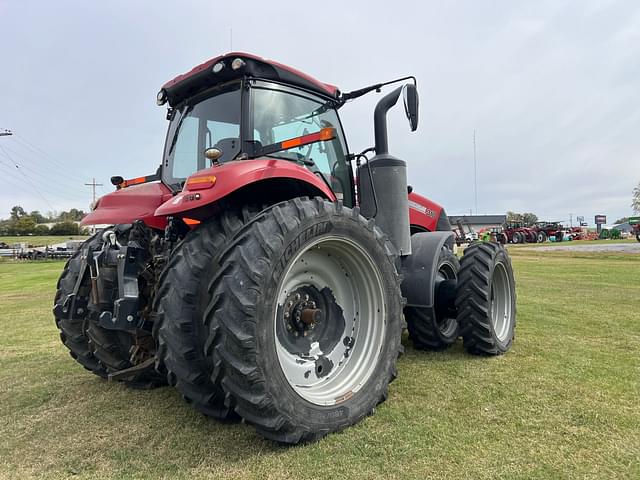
<point x="383" y="191"/>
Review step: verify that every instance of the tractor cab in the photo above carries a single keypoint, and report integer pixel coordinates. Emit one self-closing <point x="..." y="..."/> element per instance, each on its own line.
<point x="239" y="109"/>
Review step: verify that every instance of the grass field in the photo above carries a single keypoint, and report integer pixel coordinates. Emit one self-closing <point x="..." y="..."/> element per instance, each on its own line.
<point x="564" y="403"/>
<point x="41" y="240"/>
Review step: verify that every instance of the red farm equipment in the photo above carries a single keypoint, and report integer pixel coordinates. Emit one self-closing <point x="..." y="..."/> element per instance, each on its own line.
<point x="635" y="224"/>
<point x="257" y="276"/>
<point x="516" y="232"/>
<point x="546" y="230"/>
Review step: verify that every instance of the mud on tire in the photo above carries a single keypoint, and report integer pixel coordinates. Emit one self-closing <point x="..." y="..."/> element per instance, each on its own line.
<point x="265" y="274"/>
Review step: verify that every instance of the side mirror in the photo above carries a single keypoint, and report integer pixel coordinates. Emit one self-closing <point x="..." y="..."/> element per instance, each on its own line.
<point x="410" y="96"/>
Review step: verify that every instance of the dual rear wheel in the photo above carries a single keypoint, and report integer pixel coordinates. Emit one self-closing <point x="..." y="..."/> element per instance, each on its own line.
<point x="302" y="319"/>
<point x="484" y="309"/>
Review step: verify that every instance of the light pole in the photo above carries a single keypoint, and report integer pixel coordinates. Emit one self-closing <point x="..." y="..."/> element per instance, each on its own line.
<point x="475" y="172"/>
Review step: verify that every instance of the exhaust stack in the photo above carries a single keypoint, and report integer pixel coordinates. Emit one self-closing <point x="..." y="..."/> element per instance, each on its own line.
<point x="383" y="179"/>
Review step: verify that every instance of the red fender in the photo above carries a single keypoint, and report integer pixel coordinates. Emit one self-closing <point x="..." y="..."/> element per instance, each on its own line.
<point x="212" y="184"/>
<point x="126" y="205"/>
<point x="423" y="212"/>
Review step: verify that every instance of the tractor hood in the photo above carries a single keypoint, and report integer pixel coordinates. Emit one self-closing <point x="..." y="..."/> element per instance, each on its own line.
<point x="129" y="204"/>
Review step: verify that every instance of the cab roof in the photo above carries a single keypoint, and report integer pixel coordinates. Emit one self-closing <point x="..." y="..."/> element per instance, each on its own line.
<point x="202" y="77"/>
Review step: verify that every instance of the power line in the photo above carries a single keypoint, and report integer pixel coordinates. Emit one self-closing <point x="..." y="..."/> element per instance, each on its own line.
<point x="9" y="174"/>
<point x="27" y="178"/>
<point x="34" y="148"/>
<point x="63" y="178"/>
<point x="475" y="172"/>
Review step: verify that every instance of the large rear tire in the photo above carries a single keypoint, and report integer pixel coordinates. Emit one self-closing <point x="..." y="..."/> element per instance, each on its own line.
<point x="433" y="328"/>
<point x="638" y="236"/>
<point x="73" y="329"/>
<point x="182" y="299"/>
<point x="309" y="307"/>
<point x="486" y="299"/>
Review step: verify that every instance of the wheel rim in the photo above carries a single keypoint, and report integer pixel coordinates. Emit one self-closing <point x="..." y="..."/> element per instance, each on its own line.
<point x="501" y="312"/>
<point x="327" y="357"/>
<point x="445" y="317"/>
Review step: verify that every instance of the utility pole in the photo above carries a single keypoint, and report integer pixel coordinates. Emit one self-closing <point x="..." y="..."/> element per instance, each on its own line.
<point x="93" y="186"/>
<point x="475" y="172"/>
<point x="571" y="219"/>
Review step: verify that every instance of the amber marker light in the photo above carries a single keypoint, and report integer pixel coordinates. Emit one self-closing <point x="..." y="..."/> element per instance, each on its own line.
<point x="328" y="133"/>
<point x="133" y="181"/>
<point x="201" y="183"/>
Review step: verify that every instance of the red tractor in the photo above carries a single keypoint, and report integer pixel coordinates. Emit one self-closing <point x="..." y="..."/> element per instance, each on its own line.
<point x="255" y="274"/>
<point x="547" y="230"/>
<point x="516" y="232"/>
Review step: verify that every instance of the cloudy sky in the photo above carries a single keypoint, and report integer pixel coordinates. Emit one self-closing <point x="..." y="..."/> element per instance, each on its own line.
<point x="552" y="89"/>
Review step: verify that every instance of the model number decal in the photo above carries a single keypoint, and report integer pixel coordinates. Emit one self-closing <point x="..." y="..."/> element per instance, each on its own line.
<point x="422" y="208"/>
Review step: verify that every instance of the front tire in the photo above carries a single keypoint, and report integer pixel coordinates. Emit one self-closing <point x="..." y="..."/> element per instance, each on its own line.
<point x="486" y="299"/>
<point x="542" y="237"/>
<point x="436" y="328"/>
<point x="309" y="306"/>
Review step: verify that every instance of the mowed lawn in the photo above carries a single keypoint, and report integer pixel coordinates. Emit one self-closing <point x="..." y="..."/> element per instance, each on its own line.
<point x="564" y="403"/>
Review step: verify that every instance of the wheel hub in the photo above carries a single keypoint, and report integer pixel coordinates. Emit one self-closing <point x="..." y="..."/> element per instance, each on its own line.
<point x="310" y="315"/>
<point x="301" y="314"/>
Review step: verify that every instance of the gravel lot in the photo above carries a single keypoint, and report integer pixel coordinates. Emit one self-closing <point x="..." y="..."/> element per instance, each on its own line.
<point x="582" y="247"/>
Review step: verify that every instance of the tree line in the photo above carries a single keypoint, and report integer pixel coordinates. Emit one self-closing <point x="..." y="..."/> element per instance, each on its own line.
<point x="21" y="222"/>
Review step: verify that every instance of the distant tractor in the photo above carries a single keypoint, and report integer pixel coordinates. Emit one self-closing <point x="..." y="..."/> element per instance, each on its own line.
<point x="546" y="230"/>
<point x="517" y="232"/>
<point x="257" y="276"/>
<point x="635" y="223"/>
<point x="493" y="234"/>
